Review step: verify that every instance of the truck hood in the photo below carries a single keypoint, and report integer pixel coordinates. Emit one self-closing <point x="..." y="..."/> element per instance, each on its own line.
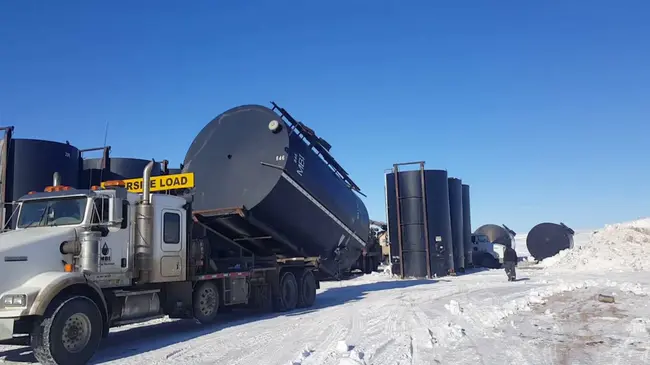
<point x="25" y="253"/>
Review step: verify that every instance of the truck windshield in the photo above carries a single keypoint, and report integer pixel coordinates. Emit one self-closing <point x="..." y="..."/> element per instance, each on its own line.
<point x="52" y="212"/>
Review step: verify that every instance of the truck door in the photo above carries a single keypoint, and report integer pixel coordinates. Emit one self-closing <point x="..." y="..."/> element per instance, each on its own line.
<point x="112" y="248"/>
<point x="172" y="241"/>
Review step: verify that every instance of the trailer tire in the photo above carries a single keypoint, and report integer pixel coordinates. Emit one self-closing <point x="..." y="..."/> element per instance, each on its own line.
<point x="287" y="298"/>
<point x="306" y="289"/>
<point x="69" y="333"/>
<point x="205" y="302"/>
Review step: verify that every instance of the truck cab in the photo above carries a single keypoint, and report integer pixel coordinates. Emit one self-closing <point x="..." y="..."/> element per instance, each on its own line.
<point x="486" y="253"/>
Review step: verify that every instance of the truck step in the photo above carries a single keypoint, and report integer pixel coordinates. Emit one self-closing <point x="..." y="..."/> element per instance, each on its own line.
<point x="128" y="293"/>
<point x="137" y="320"/>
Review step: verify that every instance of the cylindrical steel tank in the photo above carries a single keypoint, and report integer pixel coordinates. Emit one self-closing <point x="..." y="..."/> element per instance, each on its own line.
<point x="32" y="164"/>
<point x="497" y="234"/>
<point x="548" y="239"/>
<point x="412" y="221"/>
<point x="117" y="168"/>
<point x="467" y="227"/>
<point x="440" y="237"/>
<point x="456" y="215"/>
<point x="249" y="157"/>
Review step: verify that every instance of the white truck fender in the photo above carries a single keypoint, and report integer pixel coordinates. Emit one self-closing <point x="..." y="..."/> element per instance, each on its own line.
<point x="53" y="283"/>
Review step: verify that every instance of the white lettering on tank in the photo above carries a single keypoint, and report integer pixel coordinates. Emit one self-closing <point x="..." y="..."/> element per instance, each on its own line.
<point x="299" y="160"/>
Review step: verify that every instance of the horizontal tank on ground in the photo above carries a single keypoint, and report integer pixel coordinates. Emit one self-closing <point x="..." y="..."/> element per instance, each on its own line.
<point x="548" y="239"/>
<point x="498" y="234"/>
<point x="271" y="184"/>
<point x="117" y="168"/>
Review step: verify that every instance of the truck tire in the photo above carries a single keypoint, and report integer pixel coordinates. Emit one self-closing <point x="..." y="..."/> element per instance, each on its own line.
<point x="205" y="302"/>
<point x="69" y="332"/>
<point x="287" y="298"/>
<point x="306" y="289"/>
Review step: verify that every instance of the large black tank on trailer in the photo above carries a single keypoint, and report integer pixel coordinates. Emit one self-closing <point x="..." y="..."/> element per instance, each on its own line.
<point x="271" y="185"/>
<point x="31" y="164"/>
<point x="498" y="234"/>
<point x="456" y="214"/>
<point x="467" y="227"/>
<point x="407" y="218"/>
<point x="117" y="168"/>
<point x="548" y="239"/>
<point x="439" y="222"/>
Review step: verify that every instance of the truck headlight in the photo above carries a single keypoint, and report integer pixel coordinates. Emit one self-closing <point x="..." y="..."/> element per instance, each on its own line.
<point x="14" y="300"/>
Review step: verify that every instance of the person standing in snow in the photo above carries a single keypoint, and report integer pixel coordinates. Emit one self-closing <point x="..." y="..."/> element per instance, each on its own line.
<point x="510" y="263"/>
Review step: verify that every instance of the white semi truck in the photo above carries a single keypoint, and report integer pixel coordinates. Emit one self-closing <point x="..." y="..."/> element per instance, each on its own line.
<point x="486" y="253"/>
<point x="82" y="261"/>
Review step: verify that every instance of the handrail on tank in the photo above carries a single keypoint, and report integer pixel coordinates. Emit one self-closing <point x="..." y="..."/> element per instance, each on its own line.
<point x="424" y="214"/>
<point x="105" y="154"/>
<point x="320" y="145"/>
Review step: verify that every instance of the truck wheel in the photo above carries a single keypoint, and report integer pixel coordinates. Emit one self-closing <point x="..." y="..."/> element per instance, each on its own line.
<point x="69" y="333"/>
<point x="307" y="289"/>
<point x="205" y="302"/>
<point x="288" y="295"/>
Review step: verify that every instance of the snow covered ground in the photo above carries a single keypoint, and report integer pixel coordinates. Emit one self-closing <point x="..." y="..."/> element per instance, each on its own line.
<point x="551" y="315"/>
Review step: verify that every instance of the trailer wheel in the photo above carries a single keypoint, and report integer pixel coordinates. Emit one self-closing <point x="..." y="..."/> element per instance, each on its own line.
<point x="69" y="332"/>
<point x="205" y="302"/>
<point x="287" y="298"/>
<point x="307" y="289"/>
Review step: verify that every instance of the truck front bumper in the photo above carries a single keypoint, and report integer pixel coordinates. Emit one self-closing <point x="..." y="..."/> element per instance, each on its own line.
<point x="7" y="328"/>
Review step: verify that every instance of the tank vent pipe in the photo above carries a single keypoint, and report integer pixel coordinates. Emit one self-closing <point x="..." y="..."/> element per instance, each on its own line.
<point x="56" y="179"/>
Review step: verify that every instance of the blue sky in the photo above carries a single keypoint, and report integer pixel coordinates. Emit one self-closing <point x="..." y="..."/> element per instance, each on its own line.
<point x="543" y="107"/>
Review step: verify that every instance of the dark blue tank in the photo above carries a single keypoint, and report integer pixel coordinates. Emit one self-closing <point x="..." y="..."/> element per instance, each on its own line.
<point x="250" y="158"/>
<point x="117" y="168"/>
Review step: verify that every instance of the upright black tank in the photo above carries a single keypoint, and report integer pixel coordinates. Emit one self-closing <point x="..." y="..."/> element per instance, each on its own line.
<point x="440" y="237"/>
<point x="456" y="214"/>
<point x="251" y="158"/>
<point x="32" y="164"/>
<point x="498" y="234"/>
<point x="117" y="168"/>
<point x="548" y="239"/>
<point x="412" y="221"/>
<point x="467" y="227"/>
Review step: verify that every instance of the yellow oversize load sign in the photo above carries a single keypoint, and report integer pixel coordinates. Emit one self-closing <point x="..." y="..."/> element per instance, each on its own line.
<point x="160" y="183"/>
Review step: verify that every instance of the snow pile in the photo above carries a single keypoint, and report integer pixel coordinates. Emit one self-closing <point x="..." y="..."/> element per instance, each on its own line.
<point x="623" y="246"/>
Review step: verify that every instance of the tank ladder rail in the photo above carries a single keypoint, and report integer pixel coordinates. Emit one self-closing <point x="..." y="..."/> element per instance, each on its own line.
<point x="424" y="214"/>
<point x="4" y="158"/>
<point x="318" y="145"/>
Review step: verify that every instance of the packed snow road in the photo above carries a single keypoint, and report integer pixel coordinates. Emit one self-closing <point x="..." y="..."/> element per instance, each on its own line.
<point x="477" y="318"/>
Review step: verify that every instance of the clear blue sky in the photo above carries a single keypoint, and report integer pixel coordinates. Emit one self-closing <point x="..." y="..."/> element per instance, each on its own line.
<point x="543" y="107"/>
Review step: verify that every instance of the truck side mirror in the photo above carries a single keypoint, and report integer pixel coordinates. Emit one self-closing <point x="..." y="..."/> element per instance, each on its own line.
<point x="115" y="211"/>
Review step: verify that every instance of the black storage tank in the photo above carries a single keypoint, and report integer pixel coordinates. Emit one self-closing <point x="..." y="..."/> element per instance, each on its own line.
<point x="440" y="236"/>
<point x="117" y="168"/>
<point x="498" y="234"/>
<point x="32" y="164"/>
<point x="548" y="239"/>
<point x="412" y="221"/>
<point x="467" y="227"/>
<point x="456" y="214"/>
<point x="249" y="158"/>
